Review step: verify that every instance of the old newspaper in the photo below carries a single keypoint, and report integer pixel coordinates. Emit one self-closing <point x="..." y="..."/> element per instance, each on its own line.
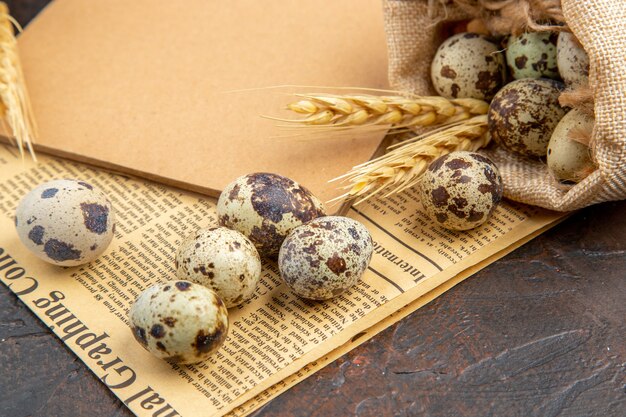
<point x="276" y="339"/>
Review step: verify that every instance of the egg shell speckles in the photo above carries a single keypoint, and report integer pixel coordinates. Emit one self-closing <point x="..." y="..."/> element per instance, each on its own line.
<point x="468" y="65"/>
<point x="223" y="260"/>
<point x="572" y="60"/>
<point x="179" y="321"/>
<point x="460" y="190"/>
<point x="568" y="160"/>
<point x="65" y="222"/>
<point x="523" y="115"/>
<point x="325" y="257"/>
<point x="532" y="55"/>
<point x="265" y="208"/>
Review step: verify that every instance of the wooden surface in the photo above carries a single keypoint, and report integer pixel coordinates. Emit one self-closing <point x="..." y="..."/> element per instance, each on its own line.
<point x="538" y="333"/>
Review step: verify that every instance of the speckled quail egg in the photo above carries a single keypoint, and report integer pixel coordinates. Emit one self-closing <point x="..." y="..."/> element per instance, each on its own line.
<point x="460" y="190"/>
<point x="523" y="115"/>
<point x="179" y="321"/>
<point x="65" y="222"/>
<point x="468" y="65"/>
<point x="325" y="257"/>
<point x="572" y="60"/>
<point x="532" y="55"/>
<point x="223" y="260"/>
<point x="570" y="160"/>
<point x="265" y="208"/>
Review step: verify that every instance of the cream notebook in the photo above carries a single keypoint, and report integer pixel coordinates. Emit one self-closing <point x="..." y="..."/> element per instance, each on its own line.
<point x="145" y="86"/>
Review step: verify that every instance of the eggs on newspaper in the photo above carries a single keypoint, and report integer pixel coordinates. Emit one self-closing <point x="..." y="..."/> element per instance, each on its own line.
<point x="185" y="319"/>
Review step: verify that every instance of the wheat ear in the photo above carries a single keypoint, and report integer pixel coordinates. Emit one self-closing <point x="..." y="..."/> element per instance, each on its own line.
<point x="15" y="107"/>
<point x="341" y="111"/>
<point x="403" y="166"/>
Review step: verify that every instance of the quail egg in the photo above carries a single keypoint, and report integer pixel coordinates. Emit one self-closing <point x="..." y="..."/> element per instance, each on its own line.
<point x="179" y="321"/>
<point x="223" y="260"/>
<point x="532" y="55"/>
<point x="65" y="222"/>
<point x="460" y="190"/>
<point x="325" y="257"/>
<point x="265" y="208"/>
<point x="468" y="65"/>
<point x="523" y="115"/>
<point x="568" y="159"/>
<point x="572" y="60"/>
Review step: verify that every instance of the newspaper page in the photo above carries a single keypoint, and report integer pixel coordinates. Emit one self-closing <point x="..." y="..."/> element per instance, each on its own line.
<point x="278" y="388"/>
<point x="276" y="338"/>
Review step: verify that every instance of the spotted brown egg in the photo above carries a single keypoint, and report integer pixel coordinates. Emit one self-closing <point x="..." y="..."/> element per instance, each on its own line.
<point x="532" y="55"/>
<point x="572" y="60"/>
<point x="65" y="222"/>
<point x="523" y="115"/>
<point x="460" y="190"/>
<point x="221" y="259"/>
<point x="569" y="160"/>
<point x="468" y="65"/>
<point x="325" y="257"/>
<point x="265" y="208"/>
<point x="179" y="321"/>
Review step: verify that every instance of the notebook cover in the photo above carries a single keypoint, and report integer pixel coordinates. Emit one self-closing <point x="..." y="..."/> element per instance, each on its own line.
<point x="147" y="87"/>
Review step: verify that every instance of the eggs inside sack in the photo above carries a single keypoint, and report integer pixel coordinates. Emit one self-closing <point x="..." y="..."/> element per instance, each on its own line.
<point x="523" y="115"/>
<point x="468" y="65"/>
<point x="569" y="158"/>
<point x="532" y="55"/>
<point x="572" y="60"/>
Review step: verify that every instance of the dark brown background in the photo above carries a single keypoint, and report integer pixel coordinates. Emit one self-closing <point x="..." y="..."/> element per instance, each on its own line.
<point x="538" y="333"/>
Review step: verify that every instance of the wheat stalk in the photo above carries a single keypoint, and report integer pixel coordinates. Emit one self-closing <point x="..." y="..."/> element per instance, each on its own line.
<point x="403" y="166"/>
<point x="343" y="111"/>
<point x="15" y="107"/>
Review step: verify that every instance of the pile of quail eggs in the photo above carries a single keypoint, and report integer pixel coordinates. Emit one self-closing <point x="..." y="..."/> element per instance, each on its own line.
<point x="524" y="114"/>
<point x="522" y="76"/>
<point x="261" y="215"/>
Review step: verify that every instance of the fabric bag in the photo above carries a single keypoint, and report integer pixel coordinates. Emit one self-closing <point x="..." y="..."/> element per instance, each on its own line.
<point x="414" y="32"/>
